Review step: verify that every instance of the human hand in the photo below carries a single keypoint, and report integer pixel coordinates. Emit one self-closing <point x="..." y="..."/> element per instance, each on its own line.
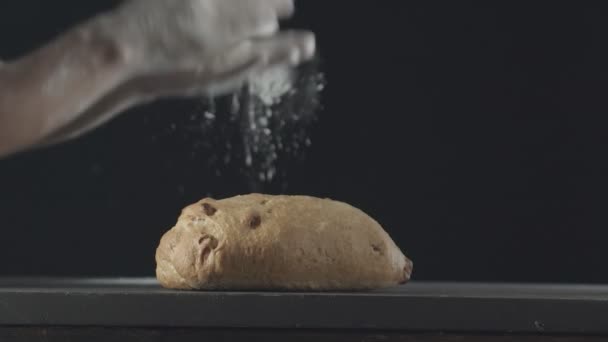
<point x="206" y="47"/>
<point x="182" y="48"/>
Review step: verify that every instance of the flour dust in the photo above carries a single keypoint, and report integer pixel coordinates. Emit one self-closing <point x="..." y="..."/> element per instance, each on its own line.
<point x="259" y="130"/>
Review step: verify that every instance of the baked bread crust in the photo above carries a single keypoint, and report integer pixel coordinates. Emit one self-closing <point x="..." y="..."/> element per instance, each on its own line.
<point x="264" y="242"/>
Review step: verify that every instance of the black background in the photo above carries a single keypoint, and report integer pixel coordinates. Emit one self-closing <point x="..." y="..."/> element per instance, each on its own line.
<point x="475" y="132"/>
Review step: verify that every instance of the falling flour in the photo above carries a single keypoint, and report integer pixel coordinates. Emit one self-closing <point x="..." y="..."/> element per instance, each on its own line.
<point x="258" y="130"/>
<point x="275" y="111"/>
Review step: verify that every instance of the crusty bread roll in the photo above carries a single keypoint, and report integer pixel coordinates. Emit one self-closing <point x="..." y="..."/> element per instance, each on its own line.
<point x="262" y="242"/>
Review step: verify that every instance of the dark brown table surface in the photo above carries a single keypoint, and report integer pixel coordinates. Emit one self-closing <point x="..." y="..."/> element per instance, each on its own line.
<point x="139" y="310"/>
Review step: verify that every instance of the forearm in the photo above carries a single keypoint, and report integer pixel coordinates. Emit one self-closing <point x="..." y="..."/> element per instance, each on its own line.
<point x="46" y="90"/>
<point x="120" y="99"/>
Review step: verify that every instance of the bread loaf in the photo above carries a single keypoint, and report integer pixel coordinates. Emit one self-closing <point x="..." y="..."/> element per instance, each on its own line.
<point x="263" y="242"/>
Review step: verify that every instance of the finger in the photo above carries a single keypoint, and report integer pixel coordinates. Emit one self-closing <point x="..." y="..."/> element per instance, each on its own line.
<point x="186" y="84"/>
<point x="287" y="48"/>
<point x="285" y="8"/>
<point x="267" y="15"/>
<point x="266" y="28"/>
<point x="251" y="18"/>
